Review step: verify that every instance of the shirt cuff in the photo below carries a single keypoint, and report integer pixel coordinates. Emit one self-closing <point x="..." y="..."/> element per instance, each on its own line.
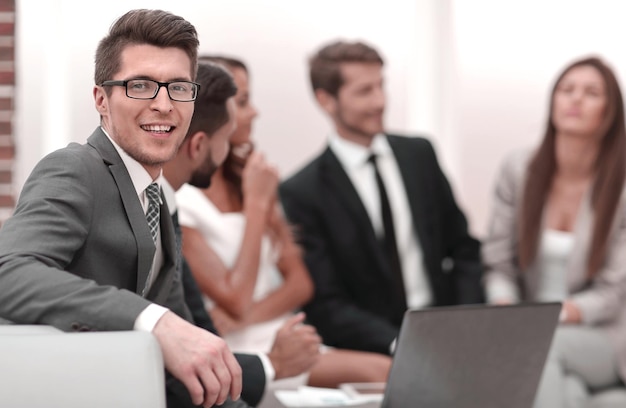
<point x="499" y="290"/>
<point x="149" y="317"/>
<point x="270" y="373"/>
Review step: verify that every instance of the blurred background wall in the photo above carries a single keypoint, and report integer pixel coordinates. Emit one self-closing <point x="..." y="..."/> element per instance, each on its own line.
<point x="473" y="76"/>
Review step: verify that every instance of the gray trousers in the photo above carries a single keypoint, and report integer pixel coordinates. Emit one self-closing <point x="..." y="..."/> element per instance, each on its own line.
<point x="581" y="360"/>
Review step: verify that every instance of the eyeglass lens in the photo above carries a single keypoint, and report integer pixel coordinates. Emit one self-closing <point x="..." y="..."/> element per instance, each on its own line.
<point x="147" y="89"/>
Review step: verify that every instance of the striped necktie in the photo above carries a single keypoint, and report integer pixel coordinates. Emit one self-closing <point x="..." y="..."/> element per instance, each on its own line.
<point x="153" y="193"/>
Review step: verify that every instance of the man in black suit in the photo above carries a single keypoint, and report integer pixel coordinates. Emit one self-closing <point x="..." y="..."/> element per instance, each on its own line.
<point x="203" y="150"/>
<point x="375" y="214"/>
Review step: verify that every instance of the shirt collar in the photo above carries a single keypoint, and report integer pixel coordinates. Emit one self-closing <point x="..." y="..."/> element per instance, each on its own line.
<point x="353" y="155"/>
<point x="138" y="174"/>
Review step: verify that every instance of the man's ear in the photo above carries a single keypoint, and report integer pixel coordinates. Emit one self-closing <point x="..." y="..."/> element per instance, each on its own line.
<point x="196" y="144"/>
<point x="326" y="101"/>
<point x="100" y="100"/>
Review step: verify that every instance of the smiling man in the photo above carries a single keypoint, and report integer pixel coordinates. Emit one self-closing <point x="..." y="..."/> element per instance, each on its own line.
<point x="91" y="244"/>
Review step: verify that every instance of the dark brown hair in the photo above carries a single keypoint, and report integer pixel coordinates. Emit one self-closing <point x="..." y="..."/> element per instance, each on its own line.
<point x="610" y="170"/>
<point x="278" y="227"/>
<point x="233" y="165"/>
<point x="229" y="62"/>
<point x="142" y="26"/>
<point x="324" y="66"/>
<point x="210" y="110"/>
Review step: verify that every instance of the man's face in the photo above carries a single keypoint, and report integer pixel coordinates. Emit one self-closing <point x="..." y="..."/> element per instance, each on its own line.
<point x="360" y="103"/>
<point x="150" y="131"/>
<point x="216" y="149"/>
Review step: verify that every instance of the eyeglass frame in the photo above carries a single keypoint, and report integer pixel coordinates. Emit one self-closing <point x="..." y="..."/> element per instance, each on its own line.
<point x="125" y="82"/>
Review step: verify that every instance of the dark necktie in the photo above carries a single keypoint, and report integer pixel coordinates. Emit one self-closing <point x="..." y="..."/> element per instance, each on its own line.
<point x="389" y="242"/>
<point x="178" y="235"/>
<point x="153" y="193"/>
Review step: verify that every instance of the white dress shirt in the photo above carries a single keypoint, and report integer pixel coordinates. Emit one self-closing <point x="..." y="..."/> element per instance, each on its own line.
<point x="141" y="179"/>
<point x="354" y="159"/>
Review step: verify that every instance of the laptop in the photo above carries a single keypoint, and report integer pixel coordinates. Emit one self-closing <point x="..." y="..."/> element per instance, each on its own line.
<point x="476" y="356"/>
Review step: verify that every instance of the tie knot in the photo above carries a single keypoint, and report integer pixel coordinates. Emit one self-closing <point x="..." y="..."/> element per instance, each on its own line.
<point x="372" y="158"/>
<point x="153" y="193"/>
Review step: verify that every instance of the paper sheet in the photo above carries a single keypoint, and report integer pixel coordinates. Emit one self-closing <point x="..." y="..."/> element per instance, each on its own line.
<point x="320" y="397"/>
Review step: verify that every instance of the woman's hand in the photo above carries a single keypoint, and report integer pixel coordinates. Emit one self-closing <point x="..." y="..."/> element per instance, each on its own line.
<point x="259" y="184"/>
<point x="224" y="323"/>
<point x="570" y="313"/>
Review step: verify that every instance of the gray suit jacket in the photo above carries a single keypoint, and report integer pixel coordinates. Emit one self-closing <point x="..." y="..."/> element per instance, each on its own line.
<point x="77" y="251"/>
<point x="603" y="300"/>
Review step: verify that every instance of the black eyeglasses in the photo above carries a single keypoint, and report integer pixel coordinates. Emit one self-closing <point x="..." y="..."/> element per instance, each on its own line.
<point x="181" y="91"/>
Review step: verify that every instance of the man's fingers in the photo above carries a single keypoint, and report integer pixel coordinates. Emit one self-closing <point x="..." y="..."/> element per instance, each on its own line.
<point x="215" y="379"/>
<point x="199" y="359"/>
<point x="234" y="370"/>
<point x="195" y="388"/>
<point x="211" y="387"/>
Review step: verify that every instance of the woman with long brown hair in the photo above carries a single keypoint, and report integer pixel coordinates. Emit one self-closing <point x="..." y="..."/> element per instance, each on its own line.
<point x="241" y="252"/>
<point x="558" y="233"/>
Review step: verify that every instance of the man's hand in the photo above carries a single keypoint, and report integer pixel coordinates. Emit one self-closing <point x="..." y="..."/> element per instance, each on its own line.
<point x="295" y="348"/>
<point x="199" y="359"/>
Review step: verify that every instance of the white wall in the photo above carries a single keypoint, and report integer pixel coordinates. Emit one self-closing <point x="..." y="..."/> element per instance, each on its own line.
<point x="57" y="40"/>
<point x="507" y="55"/>
<point x="472" y="75"/>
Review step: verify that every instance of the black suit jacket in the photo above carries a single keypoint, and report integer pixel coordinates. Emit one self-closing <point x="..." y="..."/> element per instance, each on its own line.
<point x="355" y="304"/>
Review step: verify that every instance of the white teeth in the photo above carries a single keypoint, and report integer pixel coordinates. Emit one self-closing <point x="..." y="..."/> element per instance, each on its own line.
<point x="156" y="128"/>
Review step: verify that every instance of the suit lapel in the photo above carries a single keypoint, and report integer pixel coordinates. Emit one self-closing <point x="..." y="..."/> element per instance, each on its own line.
<point x="340" y="186"/>
<point x="416" y="188"/>
<point x="134" y="212"/>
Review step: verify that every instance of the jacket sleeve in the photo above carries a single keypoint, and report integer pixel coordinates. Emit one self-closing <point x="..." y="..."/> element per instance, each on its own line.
<point x="53" y="218"/>
<point x="461" y="250"/>
<point x="500" y="247"/>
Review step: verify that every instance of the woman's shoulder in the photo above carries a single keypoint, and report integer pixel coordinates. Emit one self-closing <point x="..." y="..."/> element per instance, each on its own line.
<point x="188" y="196"/>
<point x="191" y="200"/>
<point x="515" y="164"/>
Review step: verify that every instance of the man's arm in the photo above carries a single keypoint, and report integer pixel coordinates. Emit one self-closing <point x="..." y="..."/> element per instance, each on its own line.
<point x="460" y="247"/>
<point x="66" y="253"/>
<point x="53" y="219"/>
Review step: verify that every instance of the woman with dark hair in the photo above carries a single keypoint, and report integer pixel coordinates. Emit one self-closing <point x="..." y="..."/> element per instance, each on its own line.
<point x="242" y="253"/>
<point x="558" y="233"/>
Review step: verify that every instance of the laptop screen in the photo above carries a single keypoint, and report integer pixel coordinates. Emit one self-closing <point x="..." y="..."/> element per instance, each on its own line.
<point x="471" y="356"/>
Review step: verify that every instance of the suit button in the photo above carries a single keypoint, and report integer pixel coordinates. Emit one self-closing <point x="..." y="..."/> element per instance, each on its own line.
<point x="75" y="326"/>
<point x="447" y="264"/>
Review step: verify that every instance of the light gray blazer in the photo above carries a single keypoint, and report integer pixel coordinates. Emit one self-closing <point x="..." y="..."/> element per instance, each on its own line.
<point x="78" y="250"/>
<point x="603" y="301"/>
